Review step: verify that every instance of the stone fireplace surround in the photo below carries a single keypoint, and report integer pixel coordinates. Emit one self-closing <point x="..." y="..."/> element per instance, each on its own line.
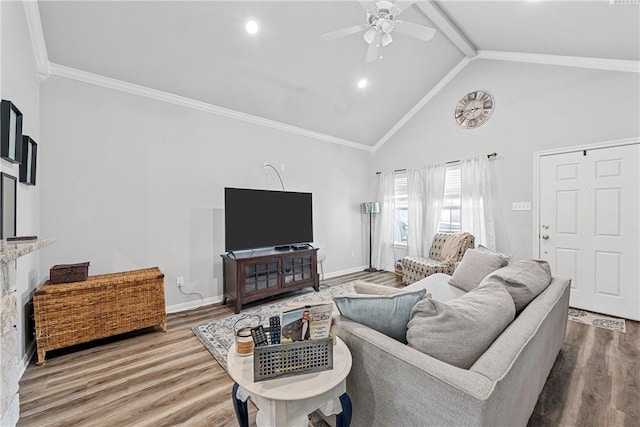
<point x="10" y="359"/>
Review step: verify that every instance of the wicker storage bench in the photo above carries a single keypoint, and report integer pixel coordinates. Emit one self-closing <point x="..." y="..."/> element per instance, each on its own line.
<point x="101" y="306"/>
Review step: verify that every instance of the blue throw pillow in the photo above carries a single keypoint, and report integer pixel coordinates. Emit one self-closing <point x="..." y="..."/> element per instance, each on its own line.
<point x="388" y="314"/>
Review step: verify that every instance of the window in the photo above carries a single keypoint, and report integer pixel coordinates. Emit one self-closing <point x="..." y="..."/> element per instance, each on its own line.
<point x="402" y="208"/>
<point x="450" y="213"/>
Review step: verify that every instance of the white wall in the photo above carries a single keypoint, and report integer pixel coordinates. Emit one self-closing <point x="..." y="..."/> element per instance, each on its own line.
<point x="130" y="182"/>
<point x="538" y="107"/>
<point x="20" y="85"/>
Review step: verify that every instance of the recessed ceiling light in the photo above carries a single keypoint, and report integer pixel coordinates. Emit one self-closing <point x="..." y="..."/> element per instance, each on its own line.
<point x="251" y="26"/>
<point x="362" y="83"/>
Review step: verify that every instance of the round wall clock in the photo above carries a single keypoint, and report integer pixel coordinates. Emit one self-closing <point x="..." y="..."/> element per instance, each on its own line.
<point x="474" y="109"/>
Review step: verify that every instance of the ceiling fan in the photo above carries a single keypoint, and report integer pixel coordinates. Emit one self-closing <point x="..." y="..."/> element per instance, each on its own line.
<point x="381" y="22"/>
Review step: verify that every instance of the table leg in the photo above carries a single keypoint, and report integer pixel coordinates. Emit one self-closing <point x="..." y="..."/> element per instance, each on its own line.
<point x="242" y="413"/>
<point x="343" y="419"/>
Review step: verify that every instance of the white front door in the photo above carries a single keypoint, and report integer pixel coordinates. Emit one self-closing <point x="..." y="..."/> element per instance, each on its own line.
<point x="590" y="226"/>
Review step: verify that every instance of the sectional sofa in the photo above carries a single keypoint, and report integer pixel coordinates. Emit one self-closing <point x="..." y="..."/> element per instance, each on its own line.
<point x="394" y="384"/>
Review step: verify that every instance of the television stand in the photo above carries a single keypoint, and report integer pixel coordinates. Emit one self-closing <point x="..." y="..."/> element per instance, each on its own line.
<point x="255" y="275"/>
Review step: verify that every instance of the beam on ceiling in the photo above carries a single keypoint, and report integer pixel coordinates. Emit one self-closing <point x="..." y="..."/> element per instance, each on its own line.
<point x="424" y="101"/>
<point x="446" y="25"/>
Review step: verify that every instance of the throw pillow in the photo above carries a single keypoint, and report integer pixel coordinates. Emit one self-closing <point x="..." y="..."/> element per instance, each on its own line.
<point x="388" y="314"/>
<point x="524" y="279"/>
<point x="373" y="289"/>
<point x="460" y="331"/>
<point x="505" y="257"/>
<point x="475" y="265"/>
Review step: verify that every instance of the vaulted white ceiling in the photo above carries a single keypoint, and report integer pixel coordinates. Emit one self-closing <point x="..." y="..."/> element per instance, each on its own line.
<point x="198" y="53"/>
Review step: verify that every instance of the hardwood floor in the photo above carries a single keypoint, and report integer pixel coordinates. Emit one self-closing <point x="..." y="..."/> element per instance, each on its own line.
<point x="152" y="378"/>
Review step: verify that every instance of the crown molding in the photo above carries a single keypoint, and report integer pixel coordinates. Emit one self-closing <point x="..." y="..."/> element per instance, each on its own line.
<point x="621" y="65"/>
<point x="34" y="23"/>
<point x="424" y="101"/>
<point x="107" y="82"/>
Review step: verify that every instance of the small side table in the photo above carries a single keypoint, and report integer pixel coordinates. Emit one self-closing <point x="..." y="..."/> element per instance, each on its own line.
<point x="288" y="401"/>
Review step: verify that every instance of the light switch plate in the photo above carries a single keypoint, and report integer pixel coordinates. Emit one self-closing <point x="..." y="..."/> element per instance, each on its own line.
<point x="521" y="206"/>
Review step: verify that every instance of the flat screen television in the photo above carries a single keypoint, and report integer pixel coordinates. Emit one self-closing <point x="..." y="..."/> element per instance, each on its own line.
<point x="265" y="218"/>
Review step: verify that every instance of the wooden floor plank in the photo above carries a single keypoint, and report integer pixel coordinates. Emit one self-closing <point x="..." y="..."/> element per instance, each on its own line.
<point x="155" y="378"/>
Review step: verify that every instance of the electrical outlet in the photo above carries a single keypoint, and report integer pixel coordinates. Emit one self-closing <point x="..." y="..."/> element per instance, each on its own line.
<point x="283" y="167"/>
<point x="180" y="281"/>
<point x="353" y="254"/>
<point x="521" y="206"/>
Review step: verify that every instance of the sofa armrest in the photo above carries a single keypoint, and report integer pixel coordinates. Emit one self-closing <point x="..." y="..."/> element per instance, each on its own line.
<point x="393" y="384"/>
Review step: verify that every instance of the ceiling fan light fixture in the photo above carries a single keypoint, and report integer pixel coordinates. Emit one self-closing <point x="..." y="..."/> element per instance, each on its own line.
<point x="370" y="35"/>
<point x="251" y="26"/>
<point x="386" y="25"/>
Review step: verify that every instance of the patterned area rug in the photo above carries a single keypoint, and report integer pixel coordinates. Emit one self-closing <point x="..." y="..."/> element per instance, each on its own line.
<point x="218" y="336"/>
<point x="598" y="320"/>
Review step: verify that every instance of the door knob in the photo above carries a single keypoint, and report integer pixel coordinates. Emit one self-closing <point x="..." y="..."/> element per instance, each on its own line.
<point x="545" y="236"/>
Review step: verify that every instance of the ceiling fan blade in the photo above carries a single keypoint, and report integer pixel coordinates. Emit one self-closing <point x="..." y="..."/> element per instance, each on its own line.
<point x="403" y="5"/>
<point x="343" y="32"/>
<point x="415" y="30"/>
<point x="372" y="51"/>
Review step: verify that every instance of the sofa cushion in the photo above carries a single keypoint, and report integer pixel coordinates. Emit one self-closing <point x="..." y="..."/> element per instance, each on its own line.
<point x="416" y="268"/>
<point x="388" y="314"/>
<point x="524" y="279"/>
<point x="475" y="265"/>
<point x="362" y="287"/>
<point x="458" y="332"/>
<point x="438" y="286"/>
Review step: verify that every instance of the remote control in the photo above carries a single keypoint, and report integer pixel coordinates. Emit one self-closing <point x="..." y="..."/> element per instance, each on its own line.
<point x="274" y="327"/>
<point x="259" y="337"/>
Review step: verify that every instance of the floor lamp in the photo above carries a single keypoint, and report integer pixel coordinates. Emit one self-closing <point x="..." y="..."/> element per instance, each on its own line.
<point x="370" y="208"/>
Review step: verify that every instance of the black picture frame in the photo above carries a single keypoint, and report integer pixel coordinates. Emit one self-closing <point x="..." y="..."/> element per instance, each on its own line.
<point x="8" y="191"/>
<point x="10" y="132"/>
<point x="29" y="159"/>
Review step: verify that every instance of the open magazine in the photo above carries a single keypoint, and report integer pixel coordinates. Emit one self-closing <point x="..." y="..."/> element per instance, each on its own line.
<point x="306" y="322"/>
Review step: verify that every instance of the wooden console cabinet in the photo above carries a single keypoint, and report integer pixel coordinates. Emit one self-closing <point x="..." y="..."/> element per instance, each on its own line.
<point x="250" y="276"/>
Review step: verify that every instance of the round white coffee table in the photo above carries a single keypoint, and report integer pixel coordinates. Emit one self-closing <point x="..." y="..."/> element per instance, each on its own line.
<point x="287" y="401"/>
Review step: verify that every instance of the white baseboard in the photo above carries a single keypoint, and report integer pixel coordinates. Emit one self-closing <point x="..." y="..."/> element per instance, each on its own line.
<point x="27" y="358"/>
<point x="175" y="308"/>
<point x="343" y="272"/>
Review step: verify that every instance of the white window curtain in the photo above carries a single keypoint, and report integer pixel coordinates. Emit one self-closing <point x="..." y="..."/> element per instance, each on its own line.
<point x="416" y="211"/>
<point x="383" y="237"/>
<point x="476" y="200"/>
<point x="425" y="189"/>
<point x="434" y="179"/>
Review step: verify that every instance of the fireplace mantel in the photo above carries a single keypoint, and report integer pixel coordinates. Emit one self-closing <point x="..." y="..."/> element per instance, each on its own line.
<point x="10" y="251"/>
